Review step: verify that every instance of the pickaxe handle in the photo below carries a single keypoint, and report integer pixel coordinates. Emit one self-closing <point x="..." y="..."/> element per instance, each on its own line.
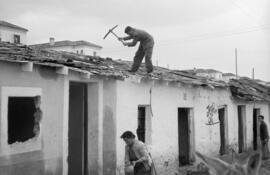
<point x="117" y="36"/>
<point x="111" y="31"/>
<point x="114" y="34"/>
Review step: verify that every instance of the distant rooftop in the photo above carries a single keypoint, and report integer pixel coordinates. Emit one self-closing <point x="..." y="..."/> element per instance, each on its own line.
<point x="7" y="24"/>
<point x="228" y="74"/>
<point x="194" y="71"/>
<point x="65" y="43"/>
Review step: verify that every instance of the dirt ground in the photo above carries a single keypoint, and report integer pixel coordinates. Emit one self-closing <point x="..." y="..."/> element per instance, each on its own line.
<point x="265" y="169"/>
<point x="201" y="169"/>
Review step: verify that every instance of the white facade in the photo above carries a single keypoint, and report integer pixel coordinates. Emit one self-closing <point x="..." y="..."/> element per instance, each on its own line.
<point x="227" y="78"/>
<point x="7" y="34"/>
<point x="165" y="101"/>
<point x="112" y="107"/>
<point x="79" y="47"/>
<point x="215" y="75"/>
<point x="85" y="50"/>
<point x="96" y="110"/>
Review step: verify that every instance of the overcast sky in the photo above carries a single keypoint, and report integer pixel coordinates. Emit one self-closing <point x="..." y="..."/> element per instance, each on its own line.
<point x="187" y="33"/>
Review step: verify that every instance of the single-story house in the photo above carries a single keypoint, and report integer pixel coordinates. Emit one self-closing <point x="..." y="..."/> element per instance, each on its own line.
<point x="63" y="113"/>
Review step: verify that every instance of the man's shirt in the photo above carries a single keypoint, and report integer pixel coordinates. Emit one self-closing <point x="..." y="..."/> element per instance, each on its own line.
<point x="145" y="39"/>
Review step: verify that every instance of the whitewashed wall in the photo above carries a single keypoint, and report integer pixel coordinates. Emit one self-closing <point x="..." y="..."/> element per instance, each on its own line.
<point x="165" y="102"/>
<point x="86" y="49"/>
<point x="7" y="34"/>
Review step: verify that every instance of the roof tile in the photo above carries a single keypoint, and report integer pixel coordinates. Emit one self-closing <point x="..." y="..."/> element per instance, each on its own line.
<point x="245" y="89"/>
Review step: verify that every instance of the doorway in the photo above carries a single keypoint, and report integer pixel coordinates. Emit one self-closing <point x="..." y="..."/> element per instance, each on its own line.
<point x="184" y="136"/>
<point x="77" y="135"/>
<point x="256" y="113"/>
<point x="241" y="109"/>
<point x="223" y="130"/>
<point x="141" y="124"/>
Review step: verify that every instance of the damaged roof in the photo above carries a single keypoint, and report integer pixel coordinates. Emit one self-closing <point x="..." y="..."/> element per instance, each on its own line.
<point x="118" y="69"/>
<point x="249" y="90"/>
<point x="98" y="66"/>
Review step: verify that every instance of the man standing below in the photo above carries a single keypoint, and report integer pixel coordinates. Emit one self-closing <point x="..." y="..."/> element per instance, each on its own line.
<point x="136" y="155"/>
<point x="264" y="137"/>
<point x="145" y="49"/>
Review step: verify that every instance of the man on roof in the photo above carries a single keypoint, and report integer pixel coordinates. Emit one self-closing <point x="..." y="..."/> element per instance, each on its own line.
<point x="145" y="49"/>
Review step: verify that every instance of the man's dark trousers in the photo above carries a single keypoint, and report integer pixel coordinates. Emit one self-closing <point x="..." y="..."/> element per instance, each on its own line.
<point x="264" y="139"/>
<point x="143" y="52"/>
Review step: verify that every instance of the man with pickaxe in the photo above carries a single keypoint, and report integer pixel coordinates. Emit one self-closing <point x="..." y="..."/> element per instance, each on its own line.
<point x="145" y="49"/>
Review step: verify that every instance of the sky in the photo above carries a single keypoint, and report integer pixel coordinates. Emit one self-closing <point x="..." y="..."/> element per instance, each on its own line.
<point x="188" y="33"/>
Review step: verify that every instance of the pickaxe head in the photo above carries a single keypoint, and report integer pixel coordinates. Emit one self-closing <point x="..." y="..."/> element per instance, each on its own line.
<point x="110" y="31"/>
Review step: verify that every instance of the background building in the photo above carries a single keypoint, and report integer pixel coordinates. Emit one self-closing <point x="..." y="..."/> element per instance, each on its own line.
<point x="228" y="76"/>
<point x="79" y="47"/>
<point x="207" y="73"/>
<point x="12" y="33"/>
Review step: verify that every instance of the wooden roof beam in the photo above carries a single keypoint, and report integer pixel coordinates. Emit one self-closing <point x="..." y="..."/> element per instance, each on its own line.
<point x="27" y="66"/>
<point x="62" y="70"/>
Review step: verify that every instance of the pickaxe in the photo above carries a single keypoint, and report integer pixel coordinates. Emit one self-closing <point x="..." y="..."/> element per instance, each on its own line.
<point x="111" y="31"/>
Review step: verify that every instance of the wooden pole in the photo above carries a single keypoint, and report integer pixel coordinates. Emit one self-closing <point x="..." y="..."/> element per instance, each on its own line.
<point x="236" y="62"/>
